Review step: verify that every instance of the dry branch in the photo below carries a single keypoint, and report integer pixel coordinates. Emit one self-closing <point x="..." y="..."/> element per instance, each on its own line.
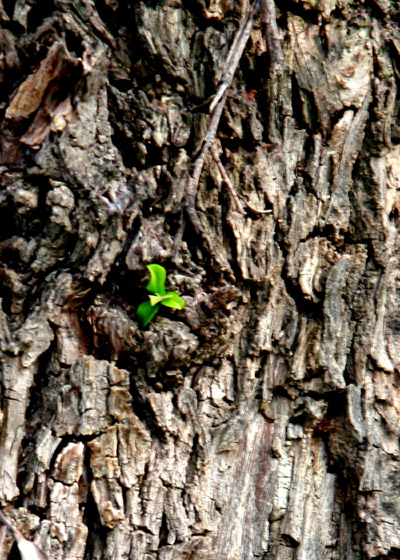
<point x="232" y="190"/>
<point x="216" y="108"/>
<point x="268" y="20"/>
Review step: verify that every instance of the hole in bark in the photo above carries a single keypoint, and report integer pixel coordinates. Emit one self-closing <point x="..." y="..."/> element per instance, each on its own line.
<point x="304" y="305"/>
<point x="298" y="9"/>
<point x="106" y="13"/>
<point x="6" y="297"/>
<point x="73" y="43"/>
<point x="8" y="221"/>
<point x="394" y="553"/>
<point x="378" y="11"/>
<point x="114" y="19"/>
<point x="38" y="12"/>
<point x="324" y="40"/>
<point x="303" y="107"/>
<point x="14" y="554"/>
<point x="96" y="540"/>
<point x="9" y="7"/>
<point x="40" y="411"/>
<point x="230" y="247"/>
<point x="163" y="531"/>
<point x="289" y="541"/>
<point x="29" y="222"/>
<point x="196" y="9"/>
<point x="127" y="149"/>
<point x="143" y="411"/>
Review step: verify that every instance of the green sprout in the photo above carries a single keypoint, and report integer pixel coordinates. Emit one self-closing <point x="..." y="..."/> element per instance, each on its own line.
<point x="148" y="309"/>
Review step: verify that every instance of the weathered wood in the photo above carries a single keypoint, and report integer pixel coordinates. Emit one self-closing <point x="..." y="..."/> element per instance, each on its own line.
<point x="262" y="420"/>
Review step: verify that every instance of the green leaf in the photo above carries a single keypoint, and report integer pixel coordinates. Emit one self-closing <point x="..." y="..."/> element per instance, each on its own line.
<point x="146" y="312"/>
<point x="173" y="300"/>
<point x="148" y="309"/>
<point x="157" y="299"/>
<point x="158" y="275"/>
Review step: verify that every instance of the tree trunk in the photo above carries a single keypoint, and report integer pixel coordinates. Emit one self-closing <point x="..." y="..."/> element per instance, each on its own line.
<point x="253" y="151"/>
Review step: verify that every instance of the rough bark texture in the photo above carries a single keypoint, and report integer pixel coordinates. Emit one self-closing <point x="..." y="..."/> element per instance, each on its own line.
<point x="262" y="421"/>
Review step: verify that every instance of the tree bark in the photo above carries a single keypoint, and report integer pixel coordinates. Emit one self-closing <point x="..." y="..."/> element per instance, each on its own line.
<point x="253" y="151"/>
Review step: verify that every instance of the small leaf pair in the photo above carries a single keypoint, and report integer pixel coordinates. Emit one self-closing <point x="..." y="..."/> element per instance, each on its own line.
<point x="148" y="309"/>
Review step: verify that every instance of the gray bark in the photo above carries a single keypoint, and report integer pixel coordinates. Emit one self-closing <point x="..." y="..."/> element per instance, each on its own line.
<point x="262" y="421"/>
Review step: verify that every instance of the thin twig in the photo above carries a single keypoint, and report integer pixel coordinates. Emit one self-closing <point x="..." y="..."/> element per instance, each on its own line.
<point x="227" y="180"/>
<point x="232" y="189"/>
<point x="198" y="166"/>
<point x="255" y="210"/>
<point x="234" y="55"/>
<point x="216" y="108"/>
<point x="268" y="19"/>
